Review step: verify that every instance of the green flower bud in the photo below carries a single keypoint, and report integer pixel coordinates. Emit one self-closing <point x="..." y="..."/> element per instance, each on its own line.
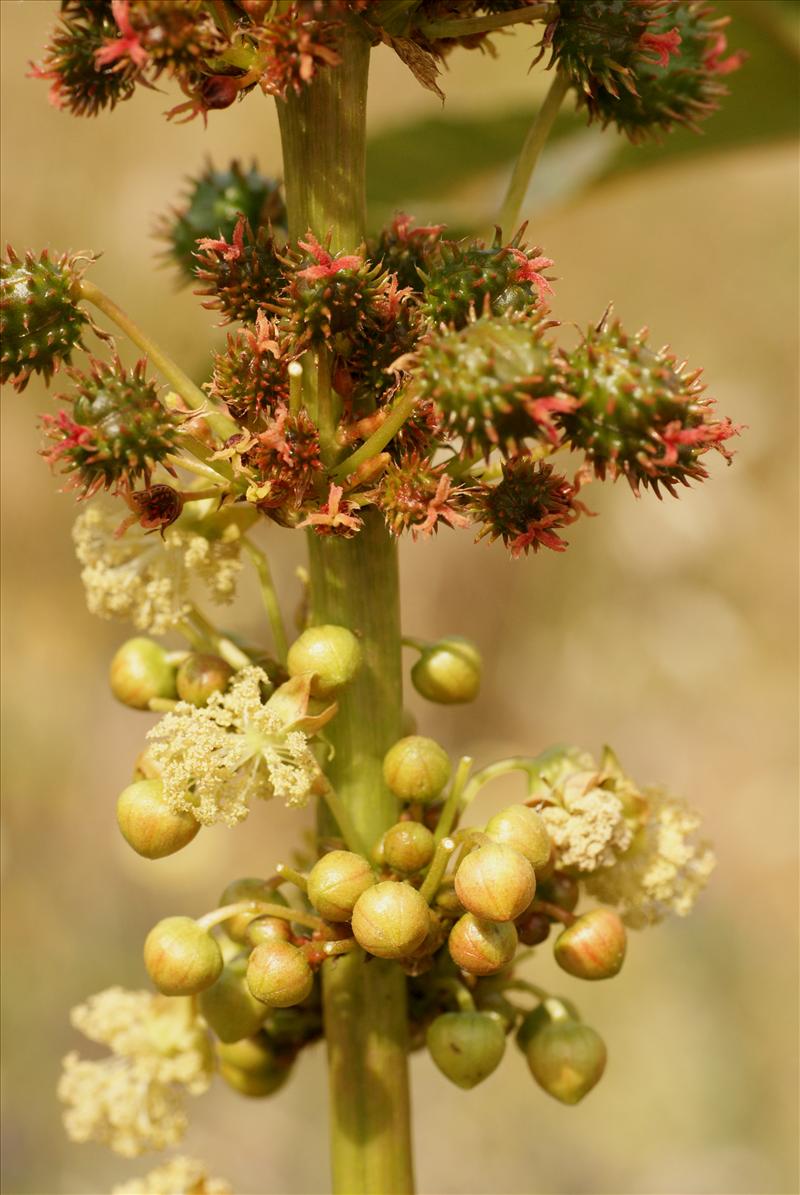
<point x="495" y="882"/>
<point x="140" y="671"/>
<point x="533" y="928"/>
<point x="332" y="653"/>
<point x="416" y="768"/>
<point x="593" y="947"/>
<point x="268" y="929"/>
<point x="555" y="1008"/>
<point x="228" y="1006"/>
<point x="407" y="847"/>
<point x="482" y="947"/>
<point x="251" y="1054"/>
<point x="181" y="957"/>
<point x="567" y="1059"/>
<point x="466" y="1046"/>
<point x="149" y="825"/>
<point x="279" y="974"/>
<point x="247" y="888"/>
<point x="201" y="675"/>
<point x="256" y="1084"/>
<point x="562" y="890"/>
<point x="391" y="920"/>
<point x="523" y="828"/>
<point x="447" y="901"/>
<point x="335" y="883"/>
<point x="448" y="672"/>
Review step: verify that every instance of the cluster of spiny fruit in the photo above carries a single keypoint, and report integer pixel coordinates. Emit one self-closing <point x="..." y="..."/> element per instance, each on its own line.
<point x="450" y="906"/>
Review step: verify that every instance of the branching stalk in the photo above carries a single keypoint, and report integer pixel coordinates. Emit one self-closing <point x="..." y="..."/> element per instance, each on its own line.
<point x="531" y="150"/>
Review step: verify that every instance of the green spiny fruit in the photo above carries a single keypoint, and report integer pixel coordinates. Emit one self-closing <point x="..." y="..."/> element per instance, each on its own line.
<point x="527" y="507"/>
<point x="118" y="430"/>
<point x="40" y="321"/>
<point x="414" y="495"/>
<point x="241" y="276"/>
<point x="251" y="376"/>
<point x="333" y="296"/>
<point x="640" y="413"/>
<point x="78" y="82"/>
<point x="598" y="42"/>
<point x="404" y="250"/>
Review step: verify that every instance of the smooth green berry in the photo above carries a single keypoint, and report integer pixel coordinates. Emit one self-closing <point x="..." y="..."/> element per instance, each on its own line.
<point x="149" y="825"/>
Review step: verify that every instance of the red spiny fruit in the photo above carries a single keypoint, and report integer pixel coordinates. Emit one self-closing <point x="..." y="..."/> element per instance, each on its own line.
<point x="40" y="321"/>
<point x="413" y="495"/>
<point x="242" y="275"/>
<point x="251" y="375"/>
<point x="78" y="81"/>
<point x="295" y="44"/>
<point x="527" y="507"/>
<point x="420" y="433"/>
<point x="641" y="413"/>
<point x="285" y="460"/>
<point x="404" y="249"/>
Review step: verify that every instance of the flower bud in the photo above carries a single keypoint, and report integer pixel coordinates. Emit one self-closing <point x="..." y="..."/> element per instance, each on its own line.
<point x="416" y="768"/>
<point x="391" y="920"/>
<point x="256" y="1084"/>
<point x="228" y="1006"/>
<point x="331" y="653"/>
<point x="279" y="974"/>
<point x="268" y="929"/>
<point x="482" y="947"/>
<point x="466" y="1046"/>
<point x="141" y="671"/>
<point x="149" y="825"/>
<point x="523" y="828"/>
<point x="335" y="883"/>
<point x="533" y="928"/>
<point x="495" y="882"/>
<point x="567" y="1059"/>
<point x="251" y="1054"/>
<point x="562" y="890"/>
<point x="447" y="901"/>
<point x="448" y="672"/>
<point x="407" y="847"/>
<point x="181" y="957"/>
<point x="247" y="888"/>
<point x="554" y="1008"/>
<point x="200" y="675"/>
<point x="593" y="947"/>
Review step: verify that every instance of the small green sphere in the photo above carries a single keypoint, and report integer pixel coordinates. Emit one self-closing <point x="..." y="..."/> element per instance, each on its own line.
<point x="448" y="672"/>
<point x="495" y="882"/>
<point x="149" y="825"/>
<point x="416" y="768"/>
<point x="268" y="929"/>
<point x="181" y="957"/>
<point x="331" y="653"/>
<point x="229" y="1007"/>
<point x="593" y="947"/>
<point x="567" y="1059"/>
<point x="279" y="975"/>
<point x="335" y="883"/>
<point x="391" y="920"/>
<point x="247" y="888"/>
<point x="256" y="1084"/>
<point x="141" y="671"/>
<point x="408" y="847"/>
<point x="523" y="829"/>
<point x="466" y="1046"/>
<point x="482" y="947"/>
<point x="200" y="675"/>
<point x="252" y="1054"/>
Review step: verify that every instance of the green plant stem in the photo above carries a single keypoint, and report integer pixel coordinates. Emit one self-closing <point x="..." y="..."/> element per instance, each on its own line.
<point x="268" y="596"/>
<point x="437" y="868"/>
<point x="529" y="154"/>
<point x="379" y="439"/>
<point x="262" y="908"/>
<point x="466" y="26"/>
<point x="452" y="806"/>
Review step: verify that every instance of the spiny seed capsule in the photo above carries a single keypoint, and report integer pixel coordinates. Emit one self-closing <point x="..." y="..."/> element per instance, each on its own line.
<point x="593" y="947"/>
<point x="149" y="825"/>
<point x="268" y="929"/>
<point x="495" y="882"/>
<point x="523" y="829"/>
<point x="407" y="847"/>
<point x="181" y="957"/>
<point x="335" y="883"/>
<point x="331" y="653"/>
<point x="229" y="1007"/>
<point x="567" y="1059"/>
<point x="391" y="920"/>
<point x="466" y="1046"/>
<point x="247" y="888"/>
<point x="279" y="974"/>
<point x="554" y="1008"/>
<point x="200" y="675"/>
<point x="416" y="768"/>
<point x="141" y="671"/>
<point x="448" y="672"/>
<point x="481" y="947"/>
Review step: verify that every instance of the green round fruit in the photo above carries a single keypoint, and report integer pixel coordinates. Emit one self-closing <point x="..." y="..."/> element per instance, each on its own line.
<point x="229" y="1007"/>
<point x="466" y="1046"/>
<point x="391" y="920"/>
<point x="593" y="947"/>
<point x="149" y="825"/>
<point x="482" y="947"/>
<point x="448" y="672"/>
<point x="331" y="653"/>
<point x="279" y="975"/>
<point x="523" y="829"/>
<point x="495" y="882"/>
<point x="140" y="671"/>
<point x="335" y="883"/>
<point x="416" y="768"/>
<point x="567" y="1059"/>
<point x="181" y="957"/>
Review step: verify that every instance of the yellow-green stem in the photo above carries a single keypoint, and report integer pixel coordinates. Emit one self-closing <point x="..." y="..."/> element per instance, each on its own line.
<point x="529" y="154"/>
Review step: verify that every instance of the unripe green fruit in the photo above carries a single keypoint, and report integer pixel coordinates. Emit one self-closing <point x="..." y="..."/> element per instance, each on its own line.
<point x="495" y="882"/>
<point x="466" y="1046"/>
<point x="416" y="768"/>
<point x="229" y="1007"/>
<point x="335" y="883"/>
<point x="524" y="830"/>
<point x="555" y="1008"/>
<point x="268" y="929"/>
<point x="562" y="890"/>
<point x="408" y="847"/>
<point x="247" y="888"/>
<point x="567" y="1059"/>
<point x="448" y="672"/>
<point x="331" y="653"/>
<point x="593" y="947"/>
<point x="149" y="825"/>
<point x="181" y="957"/>
<point x="201" y="675"/>
<point x="279" y="974"/>
<point x="256" y="1084"/>
<point x="481" y="947"/>
<point x="391" y="920"/>
<point x="447" y="901"/>
<point x="252" y="1054"/>
<point x="141" y="671"/>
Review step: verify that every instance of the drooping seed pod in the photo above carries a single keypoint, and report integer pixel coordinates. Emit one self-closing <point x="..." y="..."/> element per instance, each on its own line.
<point x="495" y="882"/>
<point x="229" y="1007"/>
<point x="40" y="320"/>
<point x="181" y="957"/>
<point x="391" y="920"/>
<point x="416" y="768"/>
<point x="279" y="974"/>
<point x="200" y="675"/>
<point x="448" y="671"/>
<point x="482" y="947"/>
<point x="149" y="825"/>
<point x="247" y="888"/>
<point x="567" y="1059"/>
<point x="522" y="828"/>
<point x="140" y="671"/>
<point x="554" y="1008"/>
<point x="407" y="847"/>
<point x="332" y="653"/>
<point x="593" y="947"/>
<point x="335" y="883"/>
<point x="466" y="1046"/>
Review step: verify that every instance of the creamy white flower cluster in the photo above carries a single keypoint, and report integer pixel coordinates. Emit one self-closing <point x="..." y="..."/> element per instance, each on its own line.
<point x="584" y="811"/>
<point x="178" y="1176"/>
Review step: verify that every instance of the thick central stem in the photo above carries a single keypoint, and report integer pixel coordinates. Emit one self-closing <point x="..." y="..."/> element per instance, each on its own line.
<point x="354" y="583"/>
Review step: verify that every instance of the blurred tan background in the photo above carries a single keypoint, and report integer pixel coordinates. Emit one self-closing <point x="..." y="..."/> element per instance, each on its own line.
<point x="668" y="630"/>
